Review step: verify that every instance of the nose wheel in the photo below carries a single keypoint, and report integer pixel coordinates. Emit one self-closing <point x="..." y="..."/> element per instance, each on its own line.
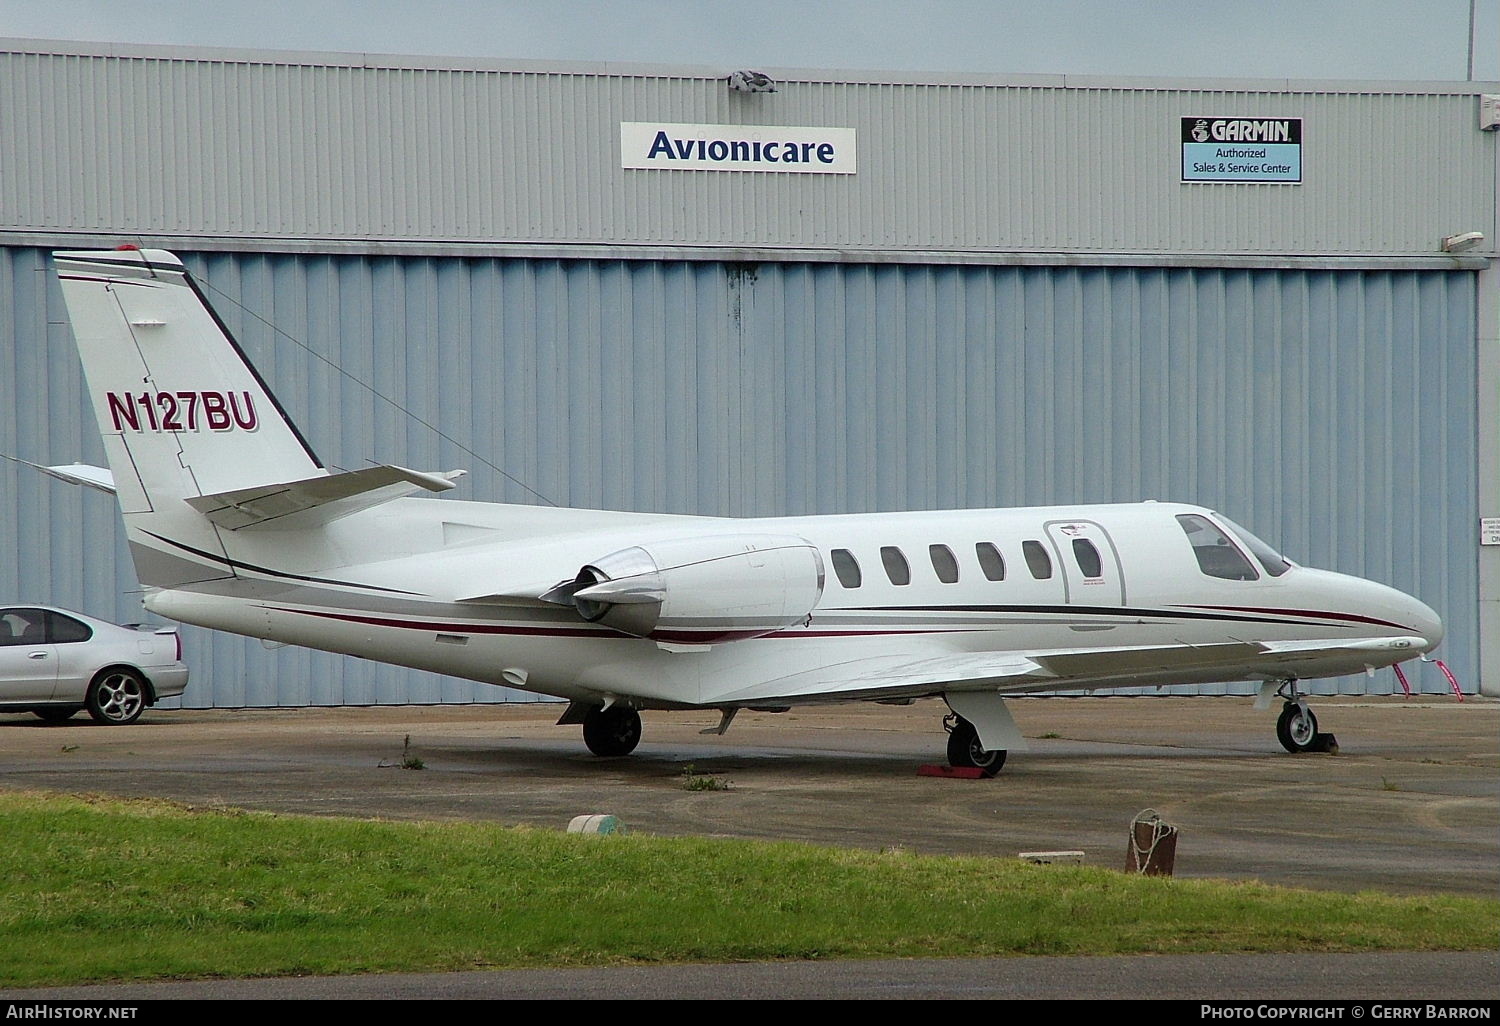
<point x="1297" y="728"/>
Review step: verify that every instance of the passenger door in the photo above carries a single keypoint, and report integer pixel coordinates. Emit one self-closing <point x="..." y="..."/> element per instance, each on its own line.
<point x="77" y="659"/>
<point x="1091" y="567"/>
<point x="28" y="665"/>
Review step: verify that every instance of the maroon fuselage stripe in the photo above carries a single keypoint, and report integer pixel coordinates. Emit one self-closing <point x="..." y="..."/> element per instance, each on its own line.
<point x="686" y="637"/>
<point x="709" y="635"/>
<point x="1320" y="613"/>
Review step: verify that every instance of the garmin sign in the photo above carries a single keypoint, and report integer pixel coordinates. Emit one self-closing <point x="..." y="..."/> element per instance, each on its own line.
<point x="818" y="151"/>
<point x="1242" y="150"/>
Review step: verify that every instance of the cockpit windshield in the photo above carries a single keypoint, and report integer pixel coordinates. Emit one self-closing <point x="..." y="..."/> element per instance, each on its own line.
<point x="1275" y="563"/>
<point x="1217" y="555"/>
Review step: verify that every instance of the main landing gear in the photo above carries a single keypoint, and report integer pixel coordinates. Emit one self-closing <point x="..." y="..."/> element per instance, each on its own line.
<point x="612" y="731"/>
<point x="965" y="749"/>
<point x="1297" y="727"/>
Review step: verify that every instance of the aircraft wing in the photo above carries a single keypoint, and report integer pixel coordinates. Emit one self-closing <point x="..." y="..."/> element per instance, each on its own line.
<point x="1080" y="668"/>
<point x="316" y="500"/>
<point x="893" y="677"/>
<point x="1312" y="658"/>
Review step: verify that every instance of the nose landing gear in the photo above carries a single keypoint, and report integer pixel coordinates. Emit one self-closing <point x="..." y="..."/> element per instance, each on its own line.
<point x="1297" y="727"/>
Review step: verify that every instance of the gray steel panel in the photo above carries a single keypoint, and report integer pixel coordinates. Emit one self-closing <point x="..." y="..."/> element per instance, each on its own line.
<point x="1331" y="412"/>
<point x="309" y="147"/>
<point x="346" y="59"/>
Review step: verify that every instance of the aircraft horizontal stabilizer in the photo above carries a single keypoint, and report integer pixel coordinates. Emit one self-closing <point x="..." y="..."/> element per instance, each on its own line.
<point x="314" y="501"/>
<point x="75" y="473"/>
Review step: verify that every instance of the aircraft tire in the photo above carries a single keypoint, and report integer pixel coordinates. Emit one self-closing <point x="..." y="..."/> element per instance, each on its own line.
<point x="614" y="731"/>
<point x="1297" y="728"/>
<point x="964" y="750"/>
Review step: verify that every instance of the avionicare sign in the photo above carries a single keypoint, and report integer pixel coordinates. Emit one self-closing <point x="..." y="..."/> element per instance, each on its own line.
<point x="818" y="151"/>
<point x="1242" y="150"/>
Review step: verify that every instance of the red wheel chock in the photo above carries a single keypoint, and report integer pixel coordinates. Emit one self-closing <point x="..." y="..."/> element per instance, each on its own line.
<point x="954" y="772"/>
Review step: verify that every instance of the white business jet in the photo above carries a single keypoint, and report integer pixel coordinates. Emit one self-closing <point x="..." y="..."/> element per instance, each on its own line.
<point x="235" y="525"/>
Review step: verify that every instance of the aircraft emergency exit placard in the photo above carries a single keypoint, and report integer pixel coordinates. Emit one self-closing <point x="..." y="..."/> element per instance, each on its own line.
<point x="827" y="151"/>
<point x="1242" y="150"/>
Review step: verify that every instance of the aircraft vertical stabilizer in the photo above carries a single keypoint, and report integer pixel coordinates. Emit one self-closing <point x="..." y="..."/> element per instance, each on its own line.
<point x="182" y="413"/>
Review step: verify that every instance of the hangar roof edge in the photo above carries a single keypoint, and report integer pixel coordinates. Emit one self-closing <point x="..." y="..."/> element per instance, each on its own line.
<point x="410" y="62"/>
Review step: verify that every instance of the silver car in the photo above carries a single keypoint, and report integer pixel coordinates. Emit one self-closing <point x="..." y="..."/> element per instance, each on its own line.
<point x="54" y="662"/>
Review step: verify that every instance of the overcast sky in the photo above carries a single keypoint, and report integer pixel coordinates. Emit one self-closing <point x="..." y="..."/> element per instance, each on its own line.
<point x="1348" y="39"/>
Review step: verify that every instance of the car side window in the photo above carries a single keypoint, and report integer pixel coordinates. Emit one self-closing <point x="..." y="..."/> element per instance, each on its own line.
<point x="22" y="627"/>
<point x="847" y="568"/>
<point x="64" y="630"/>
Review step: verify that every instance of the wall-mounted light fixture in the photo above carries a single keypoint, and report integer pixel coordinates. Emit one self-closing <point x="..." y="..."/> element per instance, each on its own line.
<point x="1459" y="243"/>
<point x="751" y="82"/>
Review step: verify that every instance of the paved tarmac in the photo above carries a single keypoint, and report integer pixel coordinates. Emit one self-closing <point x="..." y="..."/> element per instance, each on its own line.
<point x="1411" y="804"/>
<point x="1467" y="976"/>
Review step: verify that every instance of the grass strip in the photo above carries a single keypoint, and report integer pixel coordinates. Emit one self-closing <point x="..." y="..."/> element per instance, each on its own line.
<point x="95" y="889"/>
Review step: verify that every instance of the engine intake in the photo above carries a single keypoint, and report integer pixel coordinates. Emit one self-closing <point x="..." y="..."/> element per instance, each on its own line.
<point x="701" y="591"/>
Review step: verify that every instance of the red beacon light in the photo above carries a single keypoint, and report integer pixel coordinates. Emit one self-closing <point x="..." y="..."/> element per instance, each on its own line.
<point x="128" y="248"/>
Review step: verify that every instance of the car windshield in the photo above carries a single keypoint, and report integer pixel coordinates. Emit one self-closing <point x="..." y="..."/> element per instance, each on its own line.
<point x="1275" y="563"/>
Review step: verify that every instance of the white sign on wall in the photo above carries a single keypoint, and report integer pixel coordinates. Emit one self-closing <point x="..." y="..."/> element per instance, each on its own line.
<point x="1489" y="530"/>
<point x="825" y="151"/>
<point x="1242" y="150"/>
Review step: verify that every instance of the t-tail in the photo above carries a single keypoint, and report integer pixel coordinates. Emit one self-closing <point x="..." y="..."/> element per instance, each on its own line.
<point x="197" y="444"/>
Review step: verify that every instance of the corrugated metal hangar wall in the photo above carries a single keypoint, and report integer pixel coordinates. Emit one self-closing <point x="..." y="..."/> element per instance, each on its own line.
<point x="1326" y="400"/>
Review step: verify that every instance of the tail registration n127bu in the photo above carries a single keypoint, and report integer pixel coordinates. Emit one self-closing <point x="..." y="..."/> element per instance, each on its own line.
<point x="235" y="525"/>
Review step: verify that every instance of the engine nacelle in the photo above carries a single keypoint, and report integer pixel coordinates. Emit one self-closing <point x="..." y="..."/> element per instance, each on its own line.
<point x="702" y="591"/>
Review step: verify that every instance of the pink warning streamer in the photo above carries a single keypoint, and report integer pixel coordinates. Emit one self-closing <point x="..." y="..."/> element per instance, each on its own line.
<point x="1452" y="681"/>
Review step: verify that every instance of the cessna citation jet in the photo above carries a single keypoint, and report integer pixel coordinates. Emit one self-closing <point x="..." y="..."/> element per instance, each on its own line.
<point x="235" y="525"/>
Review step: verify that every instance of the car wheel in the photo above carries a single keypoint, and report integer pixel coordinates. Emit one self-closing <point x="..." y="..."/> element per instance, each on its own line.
<point x="117" y="696"/>
<point x="56" y="713"/>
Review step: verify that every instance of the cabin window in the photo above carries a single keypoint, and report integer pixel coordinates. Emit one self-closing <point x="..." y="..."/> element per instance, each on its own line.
<point x="990" y="561"/>
<point x="896" y="567"/>
<point x="1088" y="558"/>
<point x="847" y="568"/>
<point x="943" y="563"/>
<point x="1217" y="555"/>
<point x="1037" y="560"/>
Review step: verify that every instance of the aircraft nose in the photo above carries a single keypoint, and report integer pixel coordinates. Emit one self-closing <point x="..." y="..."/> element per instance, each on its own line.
<point x="1429" y="625"/>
